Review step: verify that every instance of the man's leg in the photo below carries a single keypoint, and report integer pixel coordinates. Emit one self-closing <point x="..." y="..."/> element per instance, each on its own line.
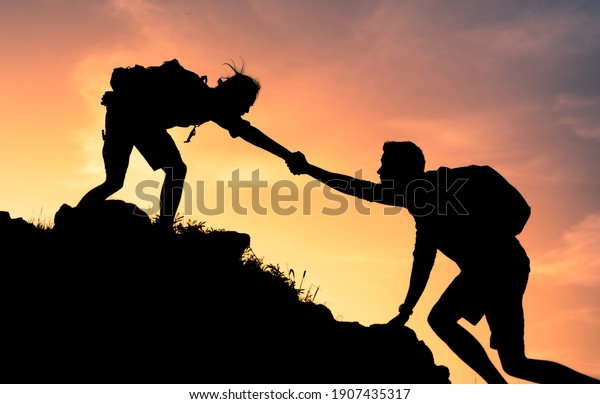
<point x="443" y="319"/>
<point x="516" y="364"/>
<point x="507" y="324"/>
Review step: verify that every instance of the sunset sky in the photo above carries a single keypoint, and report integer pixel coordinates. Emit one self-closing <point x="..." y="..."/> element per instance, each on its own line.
<point x="513" y="84"/>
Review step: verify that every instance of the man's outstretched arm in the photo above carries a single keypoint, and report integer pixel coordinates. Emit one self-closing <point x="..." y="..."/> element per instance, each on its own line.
<point x="343" y="183"/>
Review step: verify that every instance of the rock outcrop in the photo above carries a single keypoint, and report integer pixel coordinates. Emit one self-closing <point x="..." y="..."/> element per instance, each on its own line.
<point x="103" y="297"/>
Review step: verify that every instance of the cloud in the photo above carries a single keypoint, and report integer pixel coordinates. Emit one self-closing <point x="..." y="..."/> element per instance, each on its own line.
<point x="580" y="115"/>
<point x="485" y="56"/>
<point x="563" y="309"/>
<point x="577" y="259"/>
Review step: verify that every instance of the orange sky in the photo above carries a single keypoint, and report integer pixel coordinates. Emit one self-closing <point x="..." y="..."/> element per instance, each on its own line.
<point x="512" y="84"/>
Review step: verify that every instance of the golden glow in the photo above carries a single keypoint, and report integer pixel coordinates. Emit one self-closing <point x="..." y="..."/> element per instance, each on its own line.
<point x="338" y="80"/>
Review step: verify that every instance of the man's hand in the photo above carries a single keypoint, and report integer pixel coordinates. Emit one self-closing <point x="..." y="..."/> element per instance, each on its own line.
<point x="297" y="163"/>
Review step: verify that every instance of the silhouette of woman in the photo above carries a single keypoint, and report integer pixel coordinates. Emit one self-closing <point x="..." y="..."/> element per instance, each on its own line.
<point x="134" y="120"/>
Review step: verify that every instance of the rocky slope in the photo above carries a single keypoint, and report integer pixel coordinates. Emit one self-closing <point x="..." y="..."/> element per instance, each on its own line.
<point x="104" y="297"/>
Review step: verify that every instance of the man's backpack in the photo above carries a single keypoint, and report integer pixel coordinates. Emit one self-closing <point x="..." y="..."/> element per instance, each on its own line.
<point x="167" y="94"/>
<point x="491" y="201"/>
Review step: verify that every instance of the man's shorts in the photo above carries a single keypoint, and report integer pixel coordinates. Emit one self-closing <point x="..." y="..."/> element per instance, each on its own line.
<point x="492" y="285"/>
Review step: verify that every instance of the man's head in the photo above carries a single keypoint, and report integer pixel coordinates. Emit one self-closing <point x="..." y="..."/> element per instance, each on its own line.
<point x="237" y="93"/>
<point x="401" y="162"/>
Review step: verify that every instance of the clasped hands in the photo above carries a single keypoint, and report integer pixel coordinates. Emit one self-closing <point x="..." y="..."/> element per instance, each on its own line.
<point x="297" y="163"/>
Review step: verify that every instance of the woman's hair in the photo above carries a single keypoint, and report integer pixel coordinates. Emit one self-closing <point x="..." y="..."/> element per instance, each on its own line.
<point x="239" y="83"/>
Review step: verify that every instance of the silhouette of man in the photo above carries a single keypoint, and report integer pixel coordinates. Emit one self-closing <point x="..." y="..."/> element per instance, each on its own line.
<point x="494" y="267"/>
<point x="135" y="121"/>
